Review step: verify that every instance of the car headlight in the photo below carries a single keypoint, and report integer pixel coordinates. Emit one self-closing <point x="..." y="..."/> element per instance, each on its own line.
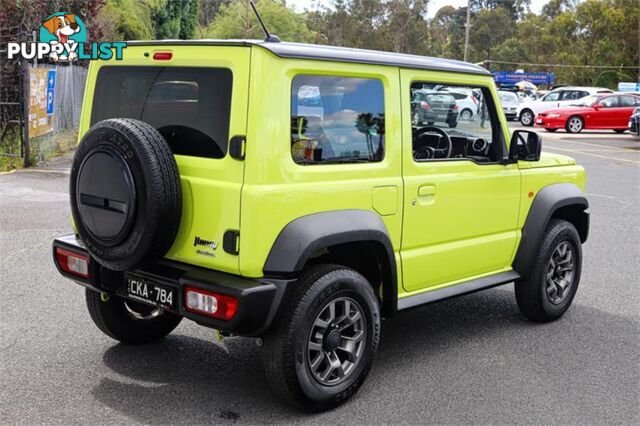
<point x="553" y="116"/>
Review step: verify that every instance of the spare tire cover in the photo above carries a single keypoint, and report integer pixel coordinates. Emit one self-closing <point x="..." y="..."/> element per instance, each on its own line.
<point x="126" y="198"/>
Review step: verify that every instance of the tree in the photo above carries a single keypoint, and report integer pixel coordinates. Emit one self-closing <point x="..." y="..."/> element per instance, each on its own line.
<point x="176" y="19"/>
<point x="490" y="28"/>
<point x="237" y="20"/>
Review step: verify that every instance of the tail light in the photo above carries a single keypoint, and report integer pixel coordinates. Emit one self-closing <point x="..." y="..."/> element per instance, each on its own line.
<point x="425" y="106"/>
<point x="455" y="108"/>
<point x="72" y="263"/>
<point x="213" y="305"/>
<point x="475" y="101"/>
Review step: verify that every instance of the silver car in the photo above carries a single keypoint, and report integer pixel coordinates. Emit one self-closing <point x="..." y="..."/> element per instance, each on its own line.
<point x="510" y="102"/>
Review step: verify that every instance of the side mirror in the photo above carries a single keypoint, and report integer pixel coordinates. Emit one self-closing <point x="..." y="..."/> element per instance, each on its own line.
<point x="525" y="146"/>
<point x="596" y="106"/>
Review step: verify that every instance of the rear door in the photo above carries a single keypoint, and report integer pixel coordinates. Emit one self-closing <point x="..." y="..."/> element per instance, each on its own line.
<point x="197" y="99"/>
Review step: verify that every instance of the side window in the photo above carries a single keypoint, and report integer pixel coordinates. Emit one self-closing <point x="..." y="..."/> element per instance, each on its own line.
<point x="571" y="95"/>
<point x="628" y="101"/>
<point x="609" y="102"/>
<point x="551" y="97"/>
<point x="440" y="131"/>
<point x="337" y="120"/>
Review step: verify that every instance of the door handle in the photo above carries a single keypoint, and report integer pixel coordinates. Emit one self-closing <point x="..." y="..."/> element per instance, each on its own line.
<point x="426" y="191"/>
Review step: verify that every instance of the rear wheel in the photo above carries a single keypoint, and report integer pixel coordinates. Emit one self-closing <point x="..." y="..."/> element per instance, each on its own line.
<point x="466" y="114"/>
<point x="547" y="291"/>
<point x="526" y="117"/>
<point x="575" y="124"/>
<point x="127" y="321"/>
<point x="322" y="348"/>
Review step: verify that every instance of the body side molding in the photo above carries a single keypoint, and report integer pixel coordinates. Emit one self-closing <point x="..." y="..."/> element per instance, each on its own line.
<point x="548" y="201"/>
<point x="457" y="290"/>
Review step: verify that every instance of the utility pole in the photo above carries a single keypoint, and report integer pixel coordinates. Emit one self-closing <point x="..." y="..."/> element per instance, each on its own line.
<point x="466" y="31"/>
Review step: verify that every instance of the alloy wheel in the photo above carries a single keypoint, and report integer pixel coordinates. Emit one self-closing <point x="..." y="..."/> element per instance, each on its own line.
<point x="560" y="272"/>
<point x="526" y="118"/>
<point x="337" y="341"/>
<point x="575" y="125"/>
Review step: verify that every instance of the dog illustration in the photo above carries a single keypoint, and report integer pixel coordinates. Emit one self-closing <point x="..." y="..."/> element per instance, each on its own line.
<point x="62" y="27"/>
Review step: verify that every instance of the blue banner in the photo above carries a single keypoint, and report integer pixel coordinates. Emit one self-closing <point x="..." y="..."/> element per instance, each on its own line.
<point x="511" y="77"/>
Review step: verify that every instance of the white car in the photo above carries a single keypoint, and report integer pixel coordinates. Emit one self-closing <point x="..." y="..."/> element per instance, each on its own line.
<point x="467" y="103"/>
<point x="562" y="96"/>
<point x="510" y="103"/>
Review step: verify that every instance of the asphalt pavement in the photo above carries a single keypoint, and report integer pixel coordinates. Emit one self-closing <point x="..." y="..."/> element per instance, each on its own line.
<point x="470" y="360"/>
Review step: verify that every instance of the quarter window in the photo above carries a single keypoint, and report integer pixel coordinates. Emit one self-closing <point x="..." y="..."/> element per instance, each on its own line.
<point x="337" y="120"/>
<point x="446" y="128"/>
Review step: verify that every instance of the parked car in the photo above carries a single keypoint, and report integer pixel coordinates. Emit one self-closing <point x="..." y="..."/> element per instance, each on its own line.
<point x="560" y="97"/>
<point x="510" y="103"/>
<point x="468" y="105"/>
<point x="304" y="232"/>
<point x="593" y="112"/>
<point x="634" y="122"/>
<point x="431" y="107"/>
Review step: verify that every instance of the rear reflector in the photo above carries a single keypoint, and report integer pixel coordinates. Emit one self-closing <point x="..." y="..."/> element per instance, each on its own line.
<point x="210" y="304"/>
<point x="73" y="263"/>
<point x="162" y="56"/>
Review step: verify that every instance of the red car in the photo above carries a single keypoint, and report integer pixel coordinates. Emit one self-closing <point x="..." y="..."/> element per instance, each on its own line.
<point x="604" y="111"/>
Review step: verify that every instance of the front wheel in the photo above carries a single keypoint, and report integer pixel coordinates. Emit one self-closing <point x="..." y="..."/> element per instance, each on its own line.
<point x="127" y="321"/>
<point x="575" y="124"/>
<point x="547" y="291"/>
<point x="322" y="349"/>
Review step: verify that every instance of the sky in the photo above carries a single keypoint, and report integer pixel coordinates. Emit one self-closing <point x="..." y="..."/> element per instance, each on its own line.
<point x="434" y="5"/>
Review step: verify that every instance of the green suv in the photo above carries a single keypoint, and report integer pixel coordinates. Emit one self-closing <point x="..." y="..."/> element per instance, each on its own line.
<point x="284" y="191"/>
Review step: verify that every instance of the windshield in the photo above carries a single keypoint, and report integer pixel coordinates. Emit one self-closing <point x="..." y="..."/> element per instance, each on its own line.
<point x="508" y="97"/>
<point x="586" y="101"/>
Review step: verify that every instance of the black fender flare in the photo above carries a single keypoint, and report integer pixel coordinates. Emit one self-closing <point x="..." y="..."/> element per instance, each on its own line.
<point x="547" y="202"/>
<point x="306" y="235"/>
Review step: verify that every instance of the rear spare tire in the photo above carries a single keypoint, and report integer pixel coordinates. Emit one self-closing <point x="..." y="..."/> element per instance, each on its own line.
<point x="126" y="198"/>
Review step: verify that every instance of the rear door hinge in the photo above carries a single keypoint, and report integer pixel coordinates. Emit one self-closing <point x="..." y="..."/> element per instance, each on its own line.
<point x="237" y="146"/>
<point x="231" y="241"/>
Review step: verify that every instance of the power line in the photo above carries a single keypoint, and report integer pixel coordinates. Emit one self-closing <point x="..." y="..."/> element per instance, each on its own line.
<point x="563" y="65"/>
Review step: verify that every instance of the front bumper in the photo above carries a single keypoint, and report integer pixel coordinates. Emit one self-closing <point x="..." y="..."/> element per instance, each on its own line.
<point x="549" y="123"/>
<point x="258" y="299"/>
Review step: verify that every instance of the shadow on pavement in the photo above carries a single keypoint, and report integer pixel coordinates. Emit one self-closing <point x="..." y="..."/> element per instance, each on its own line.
<point x="435" y="364"/>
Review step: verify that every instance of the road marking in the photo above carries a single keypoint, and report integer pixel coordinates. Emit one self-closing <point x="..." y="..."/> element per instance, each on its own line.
<point x="596" y="145"/>
<point x="573" y="151"/>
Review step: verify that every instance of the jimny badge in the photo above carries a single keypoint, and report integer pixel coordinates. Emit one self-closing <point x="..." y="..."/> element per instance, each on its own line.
<point x="63" y="37"/>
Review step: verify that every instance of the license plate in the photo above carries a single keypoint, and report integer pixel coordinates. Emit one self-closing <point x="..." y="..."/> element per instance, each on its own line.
<point x="539" y="121"/>
<point x="155" y="294"/>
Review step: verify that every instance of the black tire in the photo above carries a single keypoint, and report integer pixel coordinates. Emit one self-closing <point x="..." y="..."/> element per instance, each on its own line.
<point x="143" y="176"/>
<point x="527" y="117"/>
<point x="286" y="347"/>
<point x="531" y="291"/>
<point x="112" y="317"/>
<point x="550" y="130"/>
<point x="453" y="124"/>
<point x="570" y="127"/>
<point x="619" y="130"/>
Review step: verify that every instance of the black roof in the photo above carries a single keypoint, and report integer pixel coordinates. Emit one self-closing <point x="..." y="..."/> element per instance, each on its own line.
<point x="340" y="54"/>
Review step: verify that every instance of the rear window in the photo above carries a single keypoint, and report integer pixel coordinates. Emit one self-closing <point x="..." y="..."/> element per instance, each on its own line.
<point x="190" y="107"/>
<point x="440" y="98"/>
<point x="506" y="97"/>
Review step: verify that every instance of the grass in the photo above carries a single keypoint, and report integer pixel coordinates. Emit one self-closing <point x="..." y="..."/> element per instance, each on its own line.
<point x="43" y="148"/>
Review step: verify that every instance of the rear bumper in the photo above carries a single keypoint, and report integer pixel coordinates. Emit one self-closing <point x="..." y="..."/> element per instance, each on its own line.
<point x="258" y="299"/>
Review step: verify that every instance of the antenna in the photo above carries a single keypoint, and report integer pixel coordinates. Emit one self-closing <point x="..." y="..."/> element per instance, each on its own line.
<point x="268" y="37"/>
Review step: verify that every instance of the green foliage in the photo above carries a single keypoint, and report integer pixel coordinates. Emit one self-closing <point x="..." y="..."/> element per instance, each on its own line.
<point x="237" y="20"/>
